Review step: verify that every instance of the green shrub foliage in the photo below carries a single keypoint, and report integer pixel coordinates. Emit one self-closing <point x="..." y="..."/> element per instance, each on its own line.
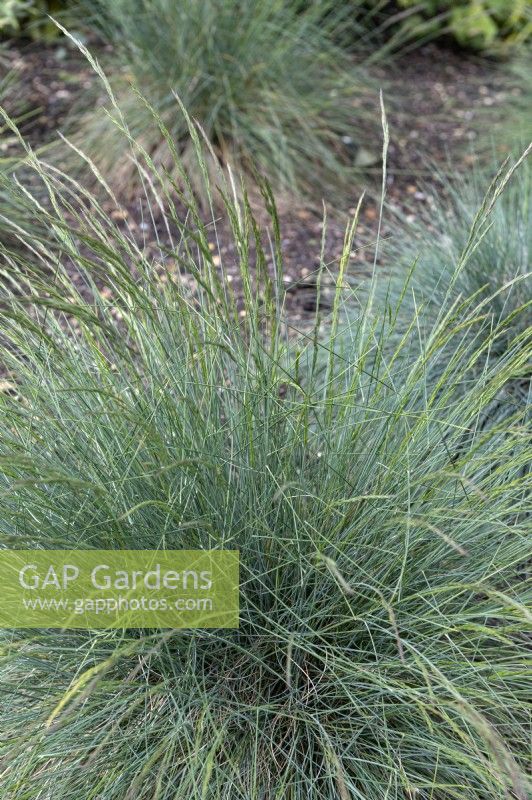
<point x="29" y="17"/>
<point x="484" y="25"/>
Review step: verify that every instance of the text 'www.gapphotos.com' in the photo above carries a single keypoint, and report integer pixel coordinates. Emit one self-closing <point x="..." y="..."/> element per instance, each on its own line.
<point x="113" y="605"/>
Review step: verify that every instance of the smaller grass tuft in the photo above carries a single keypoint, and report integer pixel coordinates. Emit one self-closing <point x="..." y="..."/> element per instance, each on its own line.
<point x="472" y="250"/>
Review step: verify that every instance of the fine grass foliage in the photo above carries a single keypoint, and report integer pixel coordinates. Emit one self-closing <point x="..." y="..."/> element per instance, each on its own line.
<point x="473" y="248"/>
<point x="267" y="82"/>
<point x="384" y="640"/>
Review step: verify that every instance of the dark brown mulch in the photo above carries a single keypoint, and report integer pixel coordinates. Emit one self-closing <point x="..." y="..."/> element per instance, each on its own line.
<point x="435" y="99"/>
<point x="50" y="80"/>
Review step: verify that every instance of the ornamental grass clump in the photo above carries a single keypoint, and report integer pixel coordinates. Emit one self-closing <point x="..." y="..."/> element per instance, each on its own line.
<point x="384" y="639"/>
<point x="473" y="249"/>
<point x="267" y="81"/>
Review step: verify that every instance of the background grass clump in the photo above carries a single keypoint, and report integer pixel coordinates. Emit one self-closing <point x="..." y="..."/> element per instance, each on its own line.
<point x="476" y="244"/>
<point x="384" y="640"/>
<point x="13" y="213"/>
<point x="267" y="82"/>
